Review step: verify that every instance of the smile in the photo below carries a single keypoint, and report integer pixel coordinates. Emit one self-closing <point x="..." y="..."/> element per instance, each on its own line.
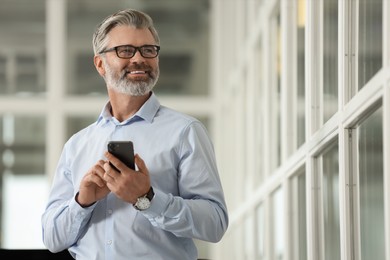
<point x="138" y="72"/>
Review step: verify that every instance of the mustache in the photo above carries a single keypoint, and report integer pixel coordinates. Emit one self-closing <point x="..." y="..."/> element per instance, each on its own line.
<point x="138" y="67"/>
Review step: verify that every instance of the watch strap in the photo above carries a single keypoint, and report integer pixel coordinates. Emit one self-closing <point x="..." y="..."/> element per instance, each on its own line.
<point x="150" y="194"/>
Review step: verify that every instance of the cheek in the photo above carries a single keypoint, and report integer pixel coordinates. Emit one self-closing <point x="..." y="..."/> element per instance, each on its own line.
<point x="155" y="65"/>
<point x="115" y="67"/>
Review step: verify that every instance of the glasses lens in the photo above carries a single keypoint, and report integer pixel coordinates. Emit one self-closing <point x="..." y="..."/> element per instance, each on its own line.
<point x="125" y="51"/>
<point x="149" y="51"/>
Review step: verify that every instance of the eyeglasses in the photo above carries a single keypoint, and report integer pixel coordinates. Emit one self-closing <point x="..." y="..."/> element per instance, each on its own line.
<point x="128" y="51"/>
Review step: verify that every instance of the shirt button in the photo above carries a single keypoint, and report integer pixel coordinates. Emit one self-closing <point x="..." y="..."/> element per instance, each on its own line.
<point x="110" y="211"/>
<point x="109" y="242"/>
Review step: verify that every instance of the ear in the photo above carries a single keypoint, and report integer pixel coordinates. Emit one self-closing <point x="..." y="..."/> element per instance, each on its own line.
<point x="98" y="61"/>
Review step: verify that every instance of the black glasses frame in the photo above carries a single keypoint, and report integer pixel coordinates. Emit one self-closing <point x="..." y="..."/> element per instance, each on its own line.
<point x="140" y="49"/>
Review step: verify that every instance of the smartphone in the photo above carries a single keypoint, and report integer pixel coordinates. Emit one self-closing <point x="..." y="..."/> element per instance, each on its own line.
<point x="124" y="151"/>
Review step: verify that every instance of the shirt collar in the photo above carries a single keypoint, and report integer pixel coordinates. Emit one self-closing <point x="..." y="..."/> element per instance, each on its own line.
<point x="147" y="112"/>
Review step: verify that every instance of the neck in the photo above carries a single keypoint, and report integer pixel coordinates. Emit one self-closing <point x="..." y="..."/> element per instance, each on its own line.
<point x="124" y="106"/>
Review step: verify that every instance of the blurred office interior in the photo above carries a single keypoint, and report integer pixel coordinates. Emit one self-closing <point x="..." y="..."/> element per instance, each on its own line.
<point x="295" y="95"/>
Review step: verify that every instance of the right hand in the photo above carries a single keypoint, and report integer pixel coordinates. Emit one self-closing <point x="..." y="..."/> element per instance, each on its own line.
<point x="92" y="187"/>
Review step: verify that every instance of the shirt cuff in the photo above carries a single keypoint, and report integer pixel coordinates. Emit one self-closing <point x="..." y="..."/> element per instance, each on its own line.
<point x="158" y="205"/>
<point x="80" y="212"/>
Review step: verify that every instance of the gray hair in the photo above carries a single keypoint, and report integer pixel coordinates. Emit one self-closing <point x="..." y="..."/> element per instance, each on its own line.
<point x="128" y="17"/>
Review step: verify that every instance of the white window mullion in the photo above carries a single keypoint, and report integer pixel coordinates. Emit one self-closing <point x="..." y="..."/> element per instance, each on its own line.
<point x="349" y="206"/>
<point x="386" y="34"/>
<point x="344" y="195"/>
<point x="347" y="154"/>
<point x="386" y="123"/>
<point x="313" y="68"/>
<point x="292" y="222"/>
<point x="386" y="169"/>
<point x="56" y="53"/>
<point x="288" y="104"/>
<point x="313" y="203"/>
<point x="267" y="59"/>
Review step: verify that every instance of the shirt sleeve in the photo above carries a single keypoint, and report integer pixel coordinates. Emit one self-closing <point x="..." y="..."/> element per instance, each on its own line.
<point x="63" y="219"/>
<point x="200" y="211"/>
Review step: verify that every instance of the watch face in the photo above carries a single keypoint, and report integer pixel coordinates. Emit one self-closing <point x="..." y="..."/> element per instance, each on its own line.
<point x="142" y="203"/>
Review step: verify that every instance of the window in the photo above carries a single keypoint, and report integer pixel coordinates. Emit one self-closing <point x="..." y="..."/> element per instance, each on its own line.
<point x="275" y="90"/>
<point x="301" y="24"/>
<point x="321" y="86"/>
<point x="22" y="51"/>
<point x="330" y="56"/>
<point x="371" y="193"/>
<point x="260" y="232"/>
<point x="278" y="227"/>
<point x="330" y="203"/>
<point x="298" y="221"/>
<point x="22" y="169"/>
<point x="369" y="40"/>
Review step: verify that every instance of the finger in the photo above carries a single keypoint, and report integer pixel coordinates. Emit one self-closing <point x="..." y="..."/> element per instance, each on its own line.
<point x="97" y="180"/>
<point x="109" y="167"/>
<point x="108" y="178"/>
<point x="106" y="166"/>
<point x="101" y="163"/>
<point x="118" y="164"/>
<point x="140" y="164"/>
<point x="99" y="169"/>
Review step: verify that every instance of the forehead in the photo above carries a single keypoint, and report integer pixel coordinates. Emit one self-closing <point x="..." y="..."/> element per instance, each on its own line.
<point x="122" y="35"/>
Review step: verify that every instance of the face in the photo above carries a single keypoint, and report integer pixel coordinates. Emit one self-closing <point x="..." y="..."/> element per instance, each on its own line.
<point x="135" y="76"/>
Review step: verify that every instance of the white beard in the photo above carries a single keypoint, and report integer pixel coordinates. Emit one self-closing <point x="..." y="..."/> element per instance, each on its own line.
<point x="121" y="84"/>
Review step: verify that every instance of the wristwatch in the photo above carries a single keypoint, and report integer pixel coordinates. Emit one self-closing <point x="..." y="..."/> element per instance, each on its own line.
<point x="144" y="201"/>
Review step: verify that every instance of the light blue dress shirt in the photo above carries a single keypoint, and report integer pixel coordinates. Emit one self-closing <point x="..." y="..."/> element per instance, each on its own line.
<point x="189" y="201"/>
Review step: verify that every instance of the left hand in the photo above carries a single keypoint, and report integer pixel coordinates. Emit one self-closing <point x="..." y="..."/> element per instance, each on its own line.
<point x="127" y="184"/>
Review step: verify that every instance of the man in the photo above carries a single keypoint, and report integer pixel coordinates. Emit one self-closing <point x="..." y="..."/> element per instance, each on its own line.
<point x="95" y="208"/>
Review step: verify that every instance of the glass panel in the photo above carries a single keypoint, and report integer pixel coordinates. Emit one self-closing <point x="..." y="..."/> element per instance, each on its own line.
<point x="22" y="178"/>
<point x="278" y="211"/>
<point x="370" y="39"/>
<point x="22" y="51"/>
<point x="23" y="145"/>
<point x="371" y="194"/>
<point x="299" y="240"/>
<point x="260" y="235"/>
<point x="258" y="123"/>
<point x="184" y="33"/>
<point x="75" y="124"/>
<point x="248" y="238"/>
<point x="29" y="74"/>
<point x="330" y="72"/>
<point x="301" y="22"/>
<point x="330" y="184"/>
<point x="3" y="73"/>
<point x="232" y="242"/>
<point x="86" y="80"/>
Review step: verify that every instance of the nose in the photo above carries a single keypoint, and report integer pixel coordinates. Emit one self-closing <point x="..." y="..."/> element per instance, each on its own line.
<point x="137" y="57"/>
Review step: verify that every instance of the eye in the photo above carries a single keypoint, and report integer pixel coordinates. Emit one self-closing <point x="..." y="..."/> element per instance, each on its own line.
<point x="148" y="50"/>
<point x="126" y="50"/>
